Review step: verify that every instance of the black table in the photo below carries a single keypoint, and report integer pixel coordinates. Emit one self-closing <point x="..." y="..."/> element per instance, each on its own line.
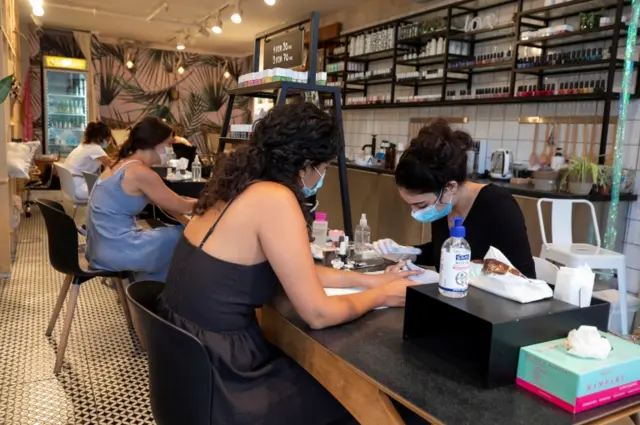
<point x="367" y="362"/>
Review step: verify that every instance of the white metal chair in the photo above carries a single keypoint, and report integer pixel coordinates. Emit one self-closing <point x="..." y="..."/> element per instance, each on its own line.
<point x="68" y="187"/>
<point x="545" y="270"/>
<point x="562" y="250"/>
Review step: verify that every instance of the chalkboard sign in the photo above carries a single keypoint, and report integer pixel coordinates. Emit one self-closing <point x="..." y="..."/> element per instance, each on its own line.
<point x="284" y="51"/>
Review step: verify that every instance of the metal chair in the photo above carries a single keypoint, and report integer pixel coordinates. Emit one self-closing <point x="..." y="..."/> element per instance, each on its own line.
<point x="563" y="250"/>
<point x="68" y="187"/>
<point x="63" y="255"/>
<point x="91" y="180"/>
<point x="180" y="379"/>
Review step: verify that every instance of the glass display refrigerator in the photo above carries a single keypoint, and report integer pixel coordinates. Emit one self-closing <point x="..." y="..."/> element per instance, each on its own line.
<point x="65" y="103"/>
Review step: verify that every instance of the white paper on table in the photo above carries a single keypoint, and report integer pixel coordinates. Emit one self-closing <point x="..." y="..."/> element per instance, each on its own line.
<point x="346" y="291"/>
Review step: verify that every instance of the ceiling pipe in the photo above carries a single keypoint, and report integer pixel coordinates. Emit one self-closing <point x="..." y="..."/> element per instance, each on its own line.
<point x="163" y="6"/>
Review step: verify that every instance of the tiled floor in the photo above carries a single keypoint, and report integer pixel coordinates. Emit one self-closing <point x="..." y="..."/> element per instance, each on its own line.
<point x="104" y="379"/>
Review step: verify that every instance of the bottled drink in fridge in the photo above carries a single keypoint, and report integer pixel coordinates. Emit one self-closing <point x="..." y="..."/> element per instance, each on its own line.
<point x="196" y="169"/>
<point x="362" y="235"/>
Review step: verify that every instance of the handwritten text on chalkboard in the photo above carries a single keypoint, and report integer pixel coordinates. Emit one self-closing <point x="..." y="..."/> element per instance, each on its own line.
<point x="284" y="51"/>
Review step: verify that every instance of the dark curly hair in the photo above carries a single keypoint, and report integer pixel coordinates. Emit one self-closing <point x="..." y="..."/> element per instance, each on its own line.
<point x="96" y="132"/>
<point x="145" y="134"/>
<point x="435" y="157"/>
<point x="289" y="138"/>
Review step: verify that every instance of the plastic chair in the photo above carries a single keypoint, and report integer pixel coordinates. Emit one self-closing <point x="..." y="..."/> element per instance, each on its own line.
<point x="545" y="270"/>
<point x="63" y="255"/>
<point x="91" y="180"/>
<point x="562" y="250"/>
<point x="180" y="379"/>
<point x="68" y="187"/>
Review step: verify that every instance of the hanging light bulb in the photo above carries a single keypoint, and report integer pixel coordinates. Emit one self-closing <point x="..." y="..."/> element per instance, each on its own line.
<point x="270" y="2"/>
<point x="180" y="70"/>
<point x="130" y="64"/>
<point x="217" y="27"/>
<point x="236" y="18"/>
<point x="180" y="42"/>
<point x="226" y="74"/>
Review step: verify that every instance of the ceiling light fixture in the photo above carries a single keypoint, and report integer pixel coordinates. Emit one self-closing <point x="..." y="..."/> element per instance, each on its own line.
<point x="180" y="70"/>
<point x="130" y="64"/>
<point x="217" y="27"/>
<point x="270" y="2"/>
<point x="227" y="74"/>
<point x="180" y="42"/>
<point x="37" y="11"/>
<point x="236" y="18"/>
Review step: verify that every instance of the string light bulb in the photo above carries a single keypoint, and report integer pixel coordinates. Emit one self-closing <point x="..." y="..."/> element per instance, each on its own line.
<point x="236" y="18"/>
<point x="227" y="74"/>
<point x="270" y="2"/>
<point x="180" y="70"/>
<point x="130" y="64"/>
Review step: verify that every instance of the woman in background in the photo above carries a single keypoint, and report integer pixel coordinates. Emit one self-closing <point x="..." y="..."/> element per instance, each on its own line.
<point x="114" y="241"/>
<point x="432" y="178"/>
<point x="89" y="156"/>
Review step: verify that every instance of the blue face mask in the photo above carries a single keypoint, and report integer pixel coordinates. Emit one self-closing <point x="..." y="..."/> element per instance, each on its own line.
<point x="312" y="191"/>
<point x="430" y="214"/>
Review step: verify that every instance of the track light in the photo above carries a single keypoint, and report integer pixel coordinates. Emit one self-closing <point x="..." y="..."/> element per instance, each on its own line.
<point x="217" y="27"/>
<point x="270" y="2"/>
<point x="180" y="42"/>
<point x="236" y="18"/>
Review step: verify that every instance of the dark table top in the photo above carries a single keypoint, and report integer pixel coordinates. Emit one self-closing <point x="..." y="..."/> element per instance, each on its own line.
<point x="374" y="345"/>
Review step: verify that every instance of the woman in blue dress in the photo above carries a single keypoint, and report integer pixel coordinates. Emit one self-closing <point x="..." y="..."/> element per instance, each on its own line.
<point x="114" y="240"/>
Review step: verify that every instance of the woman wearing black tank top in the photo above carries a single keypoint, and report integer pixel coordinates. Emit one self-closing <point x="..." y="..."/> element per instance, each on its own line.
<point x="247" y="237"/>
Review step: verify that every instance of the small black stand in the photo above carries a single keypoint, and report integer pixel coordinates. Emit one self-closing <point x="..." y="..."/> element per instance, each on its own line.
<point x="279" y="92"/>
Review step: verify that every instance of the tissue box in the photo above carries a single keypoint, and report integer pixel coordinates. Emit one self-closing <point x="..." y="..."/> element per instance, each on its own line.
<point x="577" y="384"/>
<point x="482" y="333"/>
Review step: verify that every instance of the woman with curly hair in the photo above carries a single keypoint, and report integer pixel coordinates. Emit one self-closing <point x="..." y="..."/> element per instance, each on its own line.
<point x="432" y="178"/>
<point x="248" y="237"/>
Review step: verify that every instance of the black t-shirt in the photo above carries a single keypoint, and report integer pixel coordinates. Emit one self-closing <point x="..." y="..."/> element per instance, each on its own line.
<point x="495" y="219"/>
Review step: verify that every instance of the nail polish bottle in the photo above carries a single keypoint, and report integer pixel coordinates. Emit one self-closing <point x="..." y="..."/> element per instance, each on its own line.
<point x="591" y="87"/>
<point x="554" y="91"/>
<point x="505" y="91"/>
<point x="581" y="89"/>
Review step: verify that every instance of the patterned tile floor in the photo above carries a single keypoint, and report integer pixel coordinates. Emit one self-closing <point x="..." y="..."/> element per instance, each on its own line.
<point x="104" y="379"/>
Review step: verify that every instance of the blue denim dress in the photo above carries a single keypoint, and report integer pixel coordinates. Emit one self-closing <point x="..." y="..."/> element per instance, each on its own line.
<point x="114" y="240"/>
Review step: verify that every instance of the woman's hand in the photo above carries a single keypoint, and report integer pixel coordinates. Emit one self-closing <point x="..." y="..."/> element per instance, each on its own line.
<point x="395" y="292"/>
<point x="392" y="273"/>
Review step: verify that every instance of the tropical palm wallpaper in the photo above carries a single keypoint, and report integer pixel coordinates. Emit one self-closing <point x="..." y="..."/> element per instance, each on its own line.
<point x="195" y="101"/>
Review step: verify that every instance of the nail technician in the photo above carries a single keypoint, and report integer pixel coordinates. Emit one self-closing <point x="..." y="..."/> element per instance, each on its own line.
<point x="432" y="178"/>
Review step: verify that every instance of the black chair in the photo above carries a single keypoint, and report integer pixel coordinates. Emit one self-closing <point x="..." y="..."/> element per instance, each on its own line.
<point x="180" y="381"/>
<point x="64" y="257"/>
<point x="91" y="180"/>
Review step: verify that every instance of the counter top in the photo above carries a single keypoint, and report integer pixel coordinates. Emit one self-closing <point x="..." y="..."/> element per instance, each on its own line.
<point x="516" y="189"/>
<point x="374" y="345"/>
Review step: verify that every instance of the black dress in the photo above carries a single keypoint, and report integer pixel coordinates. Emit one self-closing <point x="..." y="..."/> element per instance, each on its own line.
<point x="495" y="219"/>
<point x="254" y="383"/>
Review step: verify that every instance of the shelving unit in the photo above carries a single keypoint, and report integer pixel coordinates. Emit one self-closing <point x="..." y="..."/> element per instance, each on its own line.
<point x="279" y="91"/>
<point x="461" y="61"/>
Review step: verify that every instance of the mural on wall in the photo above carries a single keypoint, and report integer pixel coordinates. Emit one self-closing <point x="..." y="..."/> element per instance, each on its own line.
<point x="194" y="101"/>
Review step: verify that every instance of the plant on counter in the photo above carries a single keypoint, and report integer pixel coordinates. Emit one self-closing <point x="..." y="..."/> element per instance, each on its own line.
<point x="606" y="180"/>
<point x="582" y="174"/>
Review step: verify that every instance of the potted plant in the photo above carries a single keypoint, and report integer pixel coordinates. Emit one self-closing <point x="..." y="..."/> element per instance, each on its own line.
<point x="582" y="174"/>
<point x="606" y="180"/>
<point x="5" y="87"/>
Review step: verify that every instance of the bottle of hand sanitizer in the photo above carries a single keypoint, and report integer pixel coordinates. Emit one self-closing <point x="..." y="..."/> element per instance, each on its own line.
<point x="362" y="235"/>
<point x="455" y="262"/>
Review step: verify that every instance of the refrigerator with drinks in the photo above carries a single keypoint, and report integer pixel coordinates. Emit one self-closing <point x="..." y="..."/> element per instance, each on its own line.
<point x="65" y="106"/>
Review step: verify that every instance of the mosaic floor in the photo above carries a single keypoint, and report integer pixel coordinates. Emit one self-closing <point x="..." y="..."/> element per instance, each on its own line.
<point x="104" y="378"/>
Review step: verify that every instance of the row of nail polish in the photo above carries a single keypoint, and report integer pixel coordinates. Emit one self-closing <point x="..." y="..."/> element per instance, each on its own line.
<point x="480" y="93"/>
<point x="564" y="89"/>
<point x="495" y="57"/>
<point x="564" y="58"/>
